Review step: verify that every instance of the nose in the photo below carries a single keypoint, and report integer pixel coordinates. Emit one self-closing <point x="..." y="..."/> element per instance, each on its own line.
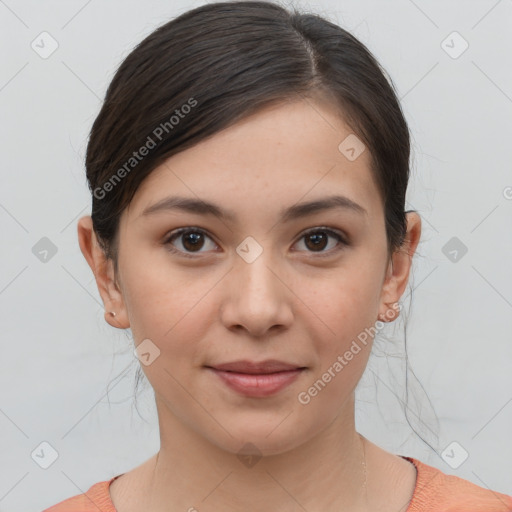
<point x="257" y="298"/>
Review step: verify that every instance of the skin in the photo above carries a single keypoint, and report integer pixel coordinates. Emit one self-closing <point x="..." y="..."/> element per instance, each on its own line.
<point x="290" y="304"/>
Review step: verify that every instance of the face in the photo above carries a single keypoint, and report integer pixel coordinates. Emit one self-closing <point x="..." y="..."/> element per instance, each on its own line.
<point x="253" y="283"/>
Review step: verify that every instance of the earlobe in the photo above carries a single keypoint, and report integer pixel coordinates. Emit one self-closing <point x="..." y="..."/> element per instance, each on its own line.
<point x="397" y="273"/>
<point x="103" y="270"/>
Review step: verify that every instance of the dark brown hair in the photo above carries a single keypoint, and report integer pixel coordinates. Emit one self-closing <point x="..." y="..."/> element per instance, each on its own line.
<point x="220" y="62"/>
<point x="216" y="64"/>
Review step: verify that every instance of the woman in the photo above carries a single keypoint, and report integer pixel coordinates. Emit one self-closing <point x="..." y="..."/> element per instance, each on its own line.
<point x="248" y="169"/>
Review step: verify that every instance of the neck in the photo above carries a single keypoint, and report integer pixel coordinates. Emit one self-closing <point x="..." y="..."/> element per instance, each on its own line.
<point x="192" y="472"/>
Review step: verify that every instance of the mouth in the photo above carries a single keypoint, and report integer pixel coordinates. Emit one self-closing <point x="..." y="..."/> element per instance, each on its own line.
<point x="257" y="379"/>
<point x="257" y="368"/>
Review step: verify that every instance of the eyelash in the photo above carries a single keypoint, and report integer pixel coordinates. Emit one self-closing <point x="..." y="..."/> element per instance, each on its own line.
<point x="175" y="234"/>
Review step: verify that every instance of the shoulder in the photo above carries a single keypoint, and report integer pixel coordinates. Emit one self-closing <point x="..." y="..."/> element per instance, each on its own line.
<point x="96" y="498"/>
<point x="436" y="491"/>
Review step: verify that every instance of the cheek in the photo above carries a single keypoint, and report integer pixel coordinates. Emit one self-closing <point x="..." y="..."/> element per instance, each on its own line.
<point x="347" y="307"/>
<point x="175" y="311"/>
<point x="159" y="297"/>
<point x="343" y="342"/>
<point x="165" y="309"/>
<point x="346" y="304"/>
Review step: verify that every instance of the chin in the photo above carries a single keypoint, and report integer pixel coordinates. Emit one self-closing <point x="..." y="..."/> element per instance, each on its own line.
<point x="268" y="437"/>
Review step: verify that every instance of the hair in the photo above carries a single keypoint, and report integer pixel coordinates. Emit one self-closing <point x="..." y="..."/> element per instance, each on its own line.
<point x="216" y="64"/>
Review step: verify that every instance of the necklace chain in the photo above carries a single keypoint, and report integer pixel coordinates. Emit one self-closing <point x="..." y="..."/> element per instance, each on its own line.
<point x="365" y="472"/>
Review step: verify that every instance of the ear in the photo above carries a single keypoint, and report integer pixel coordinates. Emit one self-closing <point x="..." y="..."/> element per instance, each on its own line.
<point x="397" y="273"/>
<point x="103" y="270"/>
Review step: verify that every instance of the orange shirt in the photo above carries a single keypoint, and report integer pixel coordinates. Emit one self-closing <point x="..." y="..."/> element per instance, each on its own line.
<point x="435" y="491"/>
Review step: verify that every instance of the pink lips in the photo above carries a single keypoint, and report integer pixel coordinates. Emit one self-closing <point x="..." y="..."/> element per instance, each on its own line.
<point x="257" y="379"/>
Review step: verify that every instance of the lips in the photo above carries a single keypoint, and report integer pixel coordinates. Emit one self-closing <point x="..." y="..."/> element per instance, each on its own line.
<point x="257" y="368"/>
<point x="257" y="379"/>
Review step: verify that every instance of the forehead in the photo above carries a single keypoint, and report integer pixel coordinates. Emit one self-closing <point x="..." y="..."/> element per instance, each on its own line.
<point x="301" y="150"/>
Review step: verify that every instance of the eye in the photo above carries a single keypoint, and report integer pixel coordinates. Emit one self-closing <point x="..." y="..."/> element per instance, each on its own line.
<point x="190" y="239"/>
<point x="318" y="239"/>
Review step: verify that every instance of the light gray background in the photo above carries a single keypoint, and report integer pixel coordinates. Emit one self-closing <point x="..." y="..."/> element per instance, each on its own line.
<point x="58" y="354"/>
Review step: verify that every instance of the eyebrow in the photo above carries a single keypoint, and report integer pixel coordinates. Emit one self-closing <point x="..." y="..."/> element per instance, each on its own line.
<point x="296" y="211"/>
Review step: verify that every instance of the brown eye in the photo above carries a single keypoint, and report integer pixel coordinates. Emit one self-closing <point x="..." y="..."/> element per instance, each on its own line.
<point x="317" y="240"/>
<point x="191" y="240"/>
